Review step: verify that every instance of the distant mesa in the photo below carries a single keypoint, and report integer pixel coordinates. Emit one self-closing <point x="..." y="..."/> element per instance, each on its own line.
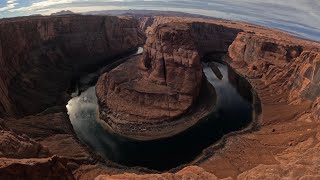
<point x="63" y="12"/>
<point x="34" y="15"/>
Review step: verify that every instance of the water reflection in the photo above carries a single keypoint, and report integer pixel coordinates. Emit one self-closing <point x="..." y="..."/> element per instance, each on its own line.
<point x="233" y="112"/>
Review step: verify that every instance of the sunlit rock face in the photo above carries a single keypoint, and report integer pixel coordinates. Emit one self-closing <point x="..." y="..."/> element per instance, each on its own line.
<point x="294" y="68"/>
<point x="191" y="172"/>
<point x="35" y="168"/>
<point x="40" y="55"/>
<point x="165" y="82"/>
<point x="316" y="110"/>
<point x="171" y="59"/>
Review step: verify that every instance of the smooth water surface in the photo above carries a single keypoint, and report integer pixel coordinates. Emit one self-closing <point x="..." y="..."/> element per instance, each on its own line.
<point x="233" y="112"/>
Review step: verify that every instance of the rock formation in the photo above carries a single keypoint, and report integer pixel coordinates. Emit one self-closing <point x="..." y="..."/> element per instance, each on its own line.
<point x="12" y="145"/>
<point x="63" y="12"/>
<point x="291" y="66"/>
<point x="284" y="72"/>
<point x="40" y="55"/>
<point x="171" y="81"/>
<point x="162" y="85"/>
<point x="192" y="172"/>
<point x="42" y="168"/>
<point x="24" y="158"/>
<point x="316" y="109"/>
<point x="165" y="83"/>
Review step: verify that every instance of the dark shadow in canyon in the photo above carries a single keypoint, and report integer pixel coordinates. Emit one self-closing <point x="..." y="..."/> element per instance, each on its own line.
<point x="90" y="74"/>
<point x="236" y="109"/>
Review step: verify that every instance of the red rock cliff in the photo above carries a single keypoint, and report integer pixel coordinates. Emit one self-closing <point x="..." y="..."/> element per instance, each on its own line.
<point x="293" y="68"/>
<point x="40" y="55"/>
<point x="165" y="83"/>
<point x="171" y="65"/>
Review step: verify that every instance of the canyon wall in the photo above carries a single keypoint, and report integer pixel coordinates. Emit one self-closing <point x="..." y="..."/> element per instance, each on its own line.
<point x="23" y="158"/>
<point x="173" y="52"/>
<point x="316" y="109"/>
<point x="171" y="65"/>
<point x="37" y="168"/>
<point x="284" y="72"/>
<point x="210" y="37"/>
<point x="40" y="55"/>
<point x="168" y="79"/>
<point x="149" y="96"/>
<point x="292" y="68"/>
<point x="171" y="59"/>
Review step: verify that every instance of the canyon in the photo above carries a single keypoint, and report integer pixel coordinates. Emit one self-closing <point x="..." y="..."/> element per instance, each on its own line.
<point x="40" y="56"/>
<point x="164" y="84"/>
<point x="66" y="44"/>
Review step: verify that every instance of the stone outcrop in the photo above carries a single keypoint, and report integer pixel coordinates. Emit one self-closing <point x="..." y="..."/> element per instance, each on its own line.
<point x="316" y="110"/>
<point x="165" y="82"/>
<point x="42" y="168"/>
<point x="40" y="55"/>
<point x="17" y="146"/>
<point x="290" y="66"/>
<point x="24" y="158"/>
<point x="170" y="80"/>
<point x="52" y="129"/>
<point x="283" y="70"/>
<point x="192" y="172"/>
<point x="12" y="145"/>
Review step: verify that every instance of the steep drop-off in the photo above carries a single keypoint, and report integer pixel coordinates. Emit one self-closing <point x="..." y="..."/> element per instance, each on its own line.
<point x="40" y="55"/>
<point x="284" y="71"/>
<point x="165" y="83"/>
<point x="291" y="67"/>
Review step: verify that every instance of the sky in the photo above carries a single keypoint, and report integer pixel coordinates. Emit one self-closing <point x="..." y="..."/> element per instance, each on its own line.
<point x="300" y="17"/>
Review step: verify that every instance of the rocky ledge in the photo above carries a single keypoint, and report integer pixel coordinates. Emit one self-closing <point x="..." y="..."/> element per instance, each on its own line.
<point x="284" y="71"/>
<point x="39" y="56"/>
<point x="153" y="95"/>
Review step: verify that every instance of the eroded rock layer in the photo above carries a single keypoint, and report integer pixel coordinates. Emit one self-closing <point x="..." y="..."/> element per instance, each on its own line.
<point x="284" y="72"/>
<point x="42" y="168"/>
<point x="169" y="82"/>
<point x="37" y="51"/>
<point x="192" y="172"/>
<point x="40" y="55"/>
<point x="165" y="82"/>
<point x="293" y="67"/>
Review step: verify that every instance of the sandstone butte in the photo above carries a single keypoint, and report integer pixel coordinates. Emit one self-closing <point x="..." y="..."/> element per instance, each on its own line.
<point x="148" y="97"/>
<point x="39" y="56"/>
